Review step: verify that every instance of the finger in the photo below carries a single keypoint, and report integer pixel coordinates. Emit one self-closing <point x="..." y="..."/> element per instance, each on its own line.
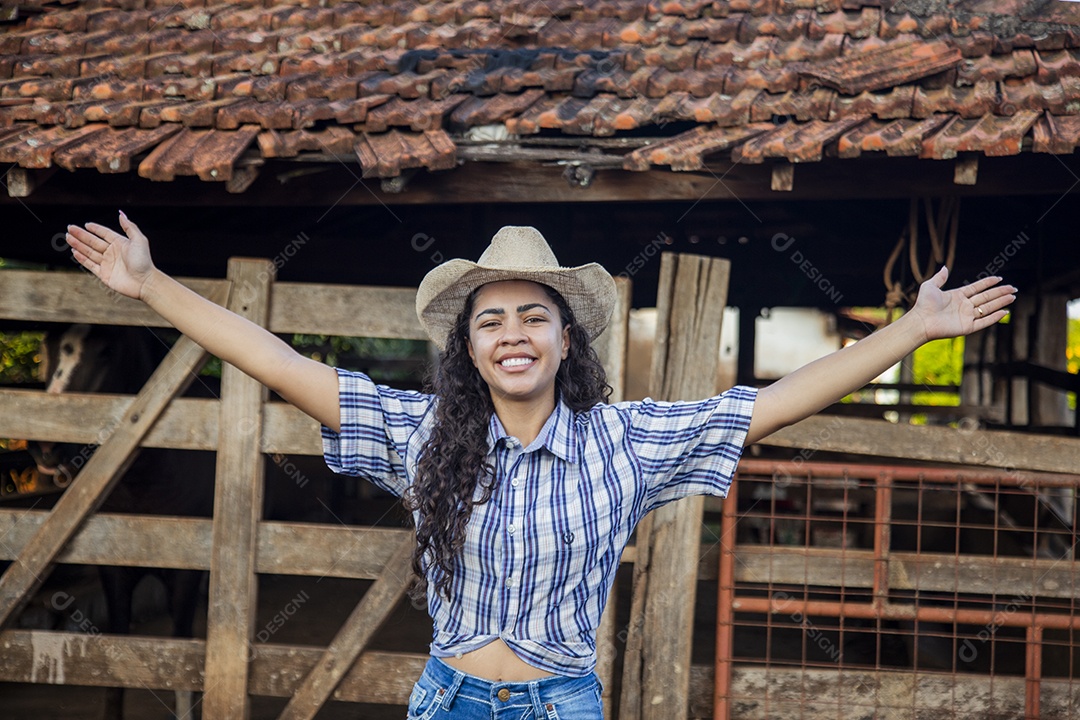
<point x="940" y="277"/>
<point x="88" y="239"/>
<point x="130" y="227"/>
<point x="981" y="323"/>
<point x="83" y="248"/>
<point x="979" y="285"/>
<point x="105" y="233"/>
<point x="86" y="262"/>
<point x="992" y="294"/>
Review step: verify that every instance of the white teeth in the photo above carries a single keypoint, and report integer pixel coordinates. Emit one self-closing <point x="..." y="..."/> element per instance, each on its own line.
<point x="515" y="362"/>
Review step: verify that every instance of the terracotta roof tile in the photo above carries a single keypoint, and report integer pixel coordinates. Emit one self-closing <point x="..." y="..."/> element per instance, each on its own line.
<point x="785" y="106"/>
<point x="485" y="111"/>
<point x="896" y="138"/>
<point x="210" y="154"/>
<point x="1052" y="66"/>
<point x="852" y="76"/>
<point x="112" y="151"/>
<point x="967" y="101"/>
<point x="763" y="78"/>
<point x="798" y="142"/>
<point x="335" y="140"/>
<point x="1020" y="63"/>
<point x="422" y="114"/>
<point x="990" y="135"/>
<point x="896" y="103"/>
<point x="891" y="65"/>
<point x="1055" y="134"/>
<point x="35" y="148"/>
<point x="688" y="150"/>
<point x="387" y="154"/>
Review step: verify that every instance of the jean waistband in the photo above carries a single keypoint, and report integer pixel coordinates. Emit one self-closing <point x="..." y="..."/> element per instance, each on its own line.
<point x="538" y="692"/>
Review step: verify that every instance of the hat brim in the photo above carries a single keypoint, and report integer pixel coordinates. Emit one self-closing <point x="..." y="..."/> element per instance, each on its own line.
<point x="589" y="290"/>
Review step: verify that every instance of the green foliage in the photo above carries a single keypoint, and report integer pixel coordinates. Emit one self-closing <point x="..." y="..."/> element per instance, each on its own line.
<point x="1072" y="354"/>
<point x="939" y="362"/>
<point x="19" y="357"/>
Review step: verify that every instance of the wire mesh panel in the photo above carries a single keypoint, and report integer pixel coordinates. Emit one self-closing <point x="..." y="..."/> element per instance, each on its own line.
<point x="883" y="591"/>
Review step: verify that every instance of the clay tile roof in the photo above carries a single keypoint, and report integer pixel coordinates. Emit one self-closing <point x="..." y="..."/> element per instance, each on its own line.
<point x="211" y="89"/>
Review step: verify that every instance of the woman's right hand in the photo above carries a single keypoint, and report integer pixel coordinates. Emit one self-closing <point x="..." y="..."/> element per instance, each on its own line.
<point x="120" y="261"/>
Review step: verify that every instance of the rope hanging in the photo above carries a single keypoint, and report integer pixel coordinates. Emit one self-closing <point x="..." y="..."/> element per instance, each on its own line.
<point x="946" y="223"/>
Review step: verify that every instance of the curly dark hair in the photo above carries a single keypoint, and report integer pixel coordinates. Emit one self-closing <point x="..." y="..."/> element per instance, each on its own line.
<point x="453" y="460"/>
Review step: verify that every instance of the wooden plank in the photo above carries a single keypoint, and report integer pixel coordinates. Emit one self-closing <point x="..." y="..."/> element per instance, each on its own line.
<point x="333" y="310"/>
<point x="191" y="424"/>
<point x="786" y="693"/>
<point x="38" y="296"/>
<point x="100" y="473"/>
<point x="366" y="618"/>
<point x="187" y="424"/>
<point x="289" y="431"/>
<point x="1000" y="449"/>
<point x="611" y="349"/>
<point x="34" y="656"/>
<point x="238" y="491"/>
<point x="611" y="345"/>
<point x="694" y="306"/>
<point x="306" y="549"/>
<point x="361" y="553"/>
<point x="80" y="297"/>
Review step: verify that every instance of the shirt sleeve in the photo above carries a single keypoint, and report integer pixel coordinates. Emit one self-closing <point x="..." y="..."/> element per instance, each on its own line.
<point x="377" y="424"/>
<point x="690" y="448"/>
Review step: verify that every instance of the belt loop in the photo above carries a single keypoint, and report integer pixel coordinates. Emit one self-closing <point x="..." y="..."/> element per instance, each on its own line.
<point x="538" y="706"/>
<point x="451" y="692"/>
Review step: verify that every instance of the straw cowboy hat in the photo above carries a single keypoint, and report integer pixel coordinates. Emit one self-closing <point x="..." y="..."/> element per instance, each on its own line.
<point x="515" y="253"/>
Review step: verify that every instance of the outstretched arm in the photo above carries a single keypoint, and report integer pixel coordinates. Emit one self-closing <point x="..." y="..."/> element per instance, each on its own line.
<point x="937" y="314"/>
<point x="122" y="261"/>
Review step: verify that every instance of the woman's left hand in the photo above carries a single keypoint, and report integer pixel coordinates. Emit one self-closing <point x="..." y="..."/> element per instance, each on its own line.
<point x="963" y="310"/>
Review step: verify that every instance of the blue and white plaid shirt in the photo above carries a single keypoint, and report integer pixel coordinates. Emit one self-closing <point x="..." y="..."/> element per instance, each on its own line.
<point x="540" y="557"/>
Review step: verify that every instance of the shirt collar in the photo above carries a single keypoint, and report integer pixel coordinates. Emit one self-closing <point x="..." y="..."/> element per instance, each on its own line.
<point x="557" y="434"/>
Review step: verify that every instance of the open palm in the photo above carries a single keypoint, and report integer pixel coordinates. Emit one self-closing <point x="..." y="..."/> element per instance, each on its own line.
<point x="121" y="261"/>
<point x="962" y="310"/>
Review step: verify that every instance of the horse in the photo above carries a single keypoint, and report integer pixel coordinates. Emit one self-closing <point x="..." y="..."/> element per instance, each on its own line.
<point x="93" y="359"/>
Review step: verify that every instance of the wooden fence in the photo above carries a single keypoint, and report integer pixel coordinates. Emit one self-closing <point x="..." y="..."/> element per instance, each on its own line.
<point x="235" y="545"/>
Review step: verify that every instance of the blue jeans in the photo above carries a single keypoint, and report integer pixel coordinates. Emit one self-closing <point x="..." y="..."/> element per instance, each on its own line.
<point x="443" y="693"/>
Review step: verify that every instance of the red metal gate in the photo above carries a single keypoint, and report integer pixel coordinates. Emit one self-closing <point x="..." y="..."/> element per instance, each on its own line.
<point x="883" y="591"/>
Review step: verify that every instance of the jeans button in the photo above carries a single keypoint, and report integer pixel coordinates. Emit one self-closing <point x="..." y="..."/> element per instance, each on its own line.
<point x="504" y="694"/>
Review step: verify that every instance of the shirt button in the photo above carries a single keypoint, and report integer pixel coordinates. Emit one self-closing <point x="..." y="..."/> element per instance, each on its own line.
<point x="504" y="694"/>
<point x="515" y="482"/>
<point x="510" y="528"/>
<point x="510" y="582"/>
<point x="458" y="655"/>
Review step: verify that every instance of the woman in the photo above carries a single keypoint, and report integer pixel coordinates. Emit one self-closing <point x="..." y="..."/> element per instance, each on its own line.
<point x="524" y="486"/>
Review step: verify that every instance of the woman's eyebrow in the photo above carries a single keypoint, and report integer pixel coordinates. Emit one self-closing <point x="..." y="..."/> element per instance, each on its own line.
<point x="490" y="311"/>
<point x="530" y="306"/>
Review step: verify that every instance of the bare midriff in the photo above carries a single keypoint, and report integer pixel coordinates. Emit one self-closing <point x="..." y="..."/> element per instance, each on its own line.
<point x="496" y="662"/>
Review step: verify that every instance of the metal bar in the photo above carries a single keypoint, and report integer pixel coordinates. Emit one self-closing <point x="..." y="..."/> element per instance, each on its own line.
<point x="1024" y="479"/>
<point x="882" y="520"/>
<point x="963" y="616"/>
<point x="725" y="606"/>
<point x="1033" y="673"/>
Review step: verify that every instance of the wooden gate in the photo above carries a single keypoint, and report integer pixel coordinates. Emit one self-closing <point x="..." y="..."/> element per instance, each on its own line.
<point x="235" y="544"/>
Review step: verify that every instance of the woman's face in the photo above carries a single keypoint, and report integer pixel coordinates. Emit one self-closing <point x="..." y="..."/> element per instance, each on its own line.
<point x="517" y="340"/>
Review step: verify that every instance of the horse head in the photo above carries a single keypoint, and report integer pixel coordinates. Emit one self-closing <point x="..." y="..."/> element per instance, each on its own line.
<point x="88" y="359"/>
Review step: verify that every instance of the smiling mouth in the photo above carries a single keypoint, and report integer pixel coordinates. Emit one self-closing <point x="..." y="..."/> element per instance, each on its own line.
<point x="517" y="362"/>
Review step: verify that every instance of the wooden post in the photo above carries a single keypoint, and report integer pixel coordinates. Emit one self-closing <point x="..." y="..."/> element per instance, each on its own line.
<point x="238" y="491"/>
<point x="611" y="348"/>
<point x="690" y="309"/>
<point x="93" y="483"/>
